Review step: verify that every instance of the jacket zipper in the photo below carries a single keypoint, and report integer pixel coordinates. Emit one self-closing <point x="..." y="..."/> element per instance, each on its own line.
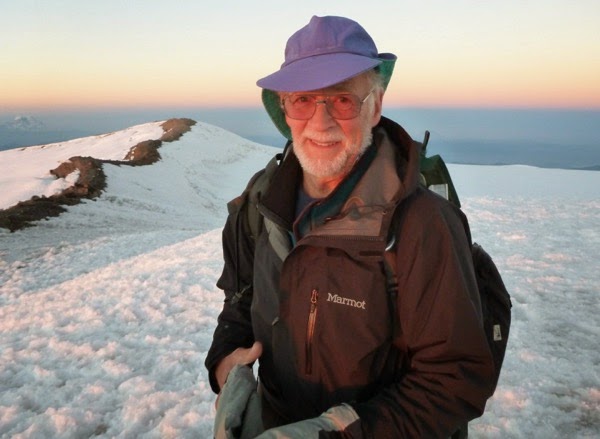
<point x="310" y="330"/>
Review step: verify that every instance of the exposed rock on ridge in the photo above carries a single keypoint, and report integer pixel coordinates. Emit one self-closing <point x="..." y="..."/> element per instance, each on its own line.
<point x="91" y="181"/>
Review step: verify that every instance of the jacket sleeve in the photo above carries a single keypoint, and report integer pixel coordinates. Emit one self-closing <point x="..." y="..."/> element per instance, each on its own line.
<point x="234" y="326"/>
<point x="450" y="370"/>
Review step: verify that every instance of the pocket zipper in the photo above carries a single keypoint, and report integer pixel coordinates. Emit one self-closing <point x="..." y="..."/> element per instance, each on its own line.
<point x="310" y="330"/>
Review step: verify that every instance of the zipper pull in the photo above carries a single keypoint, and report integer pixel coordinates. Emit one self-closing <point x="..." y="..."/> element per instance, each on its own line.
<point x="313" y="300"/>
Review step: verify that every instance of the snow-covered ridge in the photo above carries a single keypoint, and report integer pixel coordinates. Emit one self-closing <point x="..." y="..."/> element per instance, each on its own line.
<point x="40" y="193"/>
<point x="27" y="170"/>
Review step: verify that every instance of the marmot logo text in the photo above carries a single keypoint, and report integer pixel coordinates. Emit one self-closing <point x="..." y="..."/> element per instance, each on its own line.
<point x="345" y="301"/>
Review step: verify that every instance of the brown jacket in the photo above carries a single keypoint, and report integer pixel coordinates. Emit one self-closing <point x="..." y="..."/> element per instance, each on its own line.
<point x="321" y="308"/>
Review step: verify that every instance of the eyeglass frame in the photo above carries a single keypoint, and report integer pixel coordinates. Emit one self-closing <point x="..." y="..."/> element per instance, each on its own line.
<point x="326" y="101"/>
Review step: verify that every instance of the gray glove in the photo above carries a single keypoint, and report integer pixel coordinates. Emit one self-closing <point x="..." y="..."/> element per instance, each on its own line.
<point x="239" y="414"/>
<point x="336" y="419"/>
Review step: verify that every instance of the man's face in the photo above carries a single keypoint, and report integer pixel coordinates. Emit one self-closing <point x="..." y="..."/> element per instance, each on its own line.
<point x="327" y="147"/>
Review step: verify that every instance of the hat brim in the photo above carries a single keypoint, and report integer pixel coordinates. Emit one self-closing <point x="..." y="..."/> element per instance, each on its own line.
<point x="318" y="72"/>
<point x="309" y="74"/>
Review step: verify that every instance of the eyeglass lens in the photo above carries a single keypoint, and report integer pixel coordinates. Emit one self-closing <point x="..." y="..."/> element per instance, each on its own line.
<point x="339" y="106"/>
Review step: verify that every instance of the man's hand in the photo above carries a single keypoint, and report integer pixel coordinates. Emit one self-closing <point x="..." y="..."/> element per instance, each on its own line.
<point x="239" y="356"/>
<point x="239" y="412"/>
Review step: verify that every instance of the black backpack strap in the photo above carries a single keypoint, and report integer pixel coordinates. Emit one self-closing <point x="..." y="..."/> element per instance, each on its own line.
<point x="389" y="267"/>
<point x="256" y="188"/>
<point x="248" y="220"/>
<point x="390" y="262"/>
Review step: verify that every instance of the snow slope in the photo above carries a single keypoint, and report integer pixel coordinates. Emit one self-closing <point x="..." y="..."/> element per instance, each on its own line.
<point x="33" y="178"/>
<point x="107" y="311"/>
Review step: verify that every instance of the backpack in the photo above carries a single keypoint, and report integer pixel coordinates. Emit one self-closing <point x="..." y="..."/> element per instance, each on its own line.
<point x="495" y="299"/>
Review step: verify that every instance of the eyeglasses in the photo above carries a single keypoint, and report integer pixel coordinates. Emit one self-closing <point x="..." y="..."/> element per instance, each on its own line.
<point x="343" y="106"/>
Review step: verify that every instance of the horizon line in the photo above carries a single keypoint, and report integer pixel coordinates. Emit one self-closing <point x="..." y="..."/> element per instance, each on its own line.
<point x="118" y="108"/>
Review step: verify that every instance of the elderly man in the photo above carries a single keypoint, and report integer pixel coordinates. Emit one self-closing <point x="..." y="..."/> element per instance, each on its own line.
<point x="339" y="355"/>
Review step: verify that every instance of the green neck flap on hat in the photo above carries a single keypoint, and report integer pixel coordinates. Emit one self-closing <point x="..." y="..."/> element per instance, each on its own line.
<point x="272" y="102"/>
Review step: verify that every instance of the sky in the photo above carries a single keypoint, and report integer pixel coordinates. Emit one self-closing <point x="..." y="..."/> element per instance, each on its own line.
<point x="140" y="53"/>
<point x="107" y="311"/>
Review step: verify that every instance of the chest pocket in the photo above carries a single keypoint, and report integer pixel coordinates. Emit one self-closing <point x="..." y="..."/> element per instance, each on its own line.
<point x="336" y="310"/>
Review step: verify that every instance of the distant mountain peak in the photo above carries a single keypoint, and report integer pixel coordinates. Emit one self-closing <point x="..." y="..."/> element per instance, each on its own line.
<point x="25" y="123"/>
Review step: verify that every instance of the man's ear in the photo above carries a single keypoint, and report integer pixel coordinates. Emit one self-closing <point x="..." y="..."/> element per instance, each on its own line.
<point x="377" y="106"/>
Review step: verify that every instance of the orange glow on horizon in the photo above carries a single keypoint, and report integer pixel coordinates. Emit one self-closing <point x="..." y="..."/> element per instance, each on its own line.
<point x="433" y="96"/>
<point x="406" y="90"/>
<point x="577" y="96"/>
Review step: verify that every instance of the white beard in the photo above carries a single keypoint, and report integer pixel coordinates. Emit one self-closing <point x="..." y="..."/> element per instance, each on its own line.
<point x="340" y="164"/>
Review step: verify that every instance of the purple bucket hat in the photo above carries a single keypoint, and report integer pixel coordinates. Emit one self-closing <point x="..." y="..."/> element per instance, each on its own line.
<point x="327" y="51"/>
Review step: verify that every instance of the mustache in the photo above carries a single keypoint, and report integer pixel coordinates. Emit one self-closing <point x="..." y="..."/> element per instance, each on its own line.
<point x="321" y="138"/>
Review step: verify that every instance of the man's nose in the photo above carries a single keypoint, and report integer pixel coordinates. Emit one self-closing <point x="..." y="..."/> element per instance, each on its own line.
<point x="322" y="119"/>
